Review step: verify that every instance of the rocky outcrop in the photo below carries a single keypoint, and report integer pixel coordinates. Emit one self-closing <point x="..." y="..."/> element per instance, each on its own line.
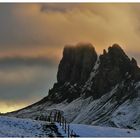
<point x="73" y="71"/>
<point x="77" y="68"/>
<point x="76" y="64"/>
<point x="114" y="67"/>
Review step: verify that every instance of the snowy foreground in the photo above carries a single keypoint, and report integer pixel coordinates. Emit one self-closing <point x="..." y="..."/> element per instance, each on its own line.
<point x="96" y="131"/>
<point x="15" y="127"/>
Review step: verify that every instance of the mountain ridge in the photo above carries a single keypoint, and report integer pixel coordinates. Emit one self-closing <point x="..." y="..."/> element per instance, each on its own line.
<point x="113" y="66"/>
<point x="90" y="89"/>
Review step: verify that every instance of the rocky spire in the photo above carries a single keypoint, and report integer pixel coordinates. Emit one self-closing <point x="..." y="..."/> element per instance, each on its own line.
<point x="77" y="63"/>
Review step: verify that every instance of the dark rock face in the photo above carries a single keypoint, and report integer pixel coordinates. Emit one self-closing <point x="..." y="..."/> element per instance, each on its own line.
<point x="76" y="64"/>
<point x="74" y="70"/>
<point x="113" y="67"/>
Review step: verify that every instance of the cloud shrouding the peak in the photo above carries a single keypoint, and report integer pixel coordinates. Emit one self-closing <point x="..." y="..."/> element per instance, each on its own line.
<point x="27" y="25"/>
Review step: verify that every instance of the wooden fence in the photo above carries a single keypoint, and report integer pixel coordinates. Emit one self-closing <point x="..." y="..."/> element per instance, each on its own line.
<point x="60" y="119"/>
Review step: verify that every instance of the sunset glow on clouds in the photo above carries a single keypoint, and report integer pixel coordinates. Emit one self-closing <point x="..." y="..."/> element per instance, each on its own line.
<point x="32" y="37"/>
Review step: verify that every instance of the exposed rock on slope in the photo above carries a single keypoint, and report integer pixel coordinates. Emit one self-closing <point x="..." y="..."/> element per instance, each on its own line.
<point x="74" y="70"/>
<point x="114" y="67"/>
<point x="102" y="90"/>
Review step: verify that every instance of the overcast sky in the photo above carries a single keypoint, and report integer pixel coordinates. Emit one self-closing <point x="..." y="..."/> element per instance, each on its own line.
<point x="32" y="37"/>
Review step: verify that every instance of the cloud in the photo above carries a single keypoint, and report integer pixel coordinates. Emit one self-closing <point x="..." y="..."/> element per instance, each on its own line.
<point x="17" y="61"/>
<point x="60" y="7"/>
<point x="49" y="25"/>
<point x="25" y="85"/>
<point x="32" y="37"/>
<point x="24" y="80"/>
<point x="100" y="24"/>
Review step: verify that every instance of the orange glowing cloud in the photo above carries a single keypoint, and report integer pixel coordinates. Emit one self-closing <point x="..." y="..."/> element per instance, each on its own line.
<point x="54" y="25"/>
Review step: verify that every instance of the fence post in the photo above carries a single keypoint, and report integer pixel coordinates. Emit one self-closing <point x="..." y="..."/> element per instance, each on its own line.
<point x="60" y="119"/>
<point x="51" y="119"/>
<point x="65" y="125"/>
<point x="71" y="135"/>
<point x="56" y="116"/>
<point x="68" y="130"/>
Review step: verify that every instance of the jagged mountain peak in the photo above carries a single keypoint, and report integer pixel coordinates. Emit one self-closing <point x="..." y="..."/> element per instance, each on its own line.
<point x="117" y="62"/>
<point x="115" y="47"/>
<point x="115" y="51"/>
<point x="81" y="72"/>
<point x="113" y="68"/>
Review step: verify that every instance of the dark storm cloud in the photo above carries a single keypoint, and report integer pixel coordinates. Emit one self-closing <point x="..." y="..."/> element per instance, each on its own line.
<point x="25" y="61"/>
<point x="25" y="80"/>
<point x="25" y="84"/>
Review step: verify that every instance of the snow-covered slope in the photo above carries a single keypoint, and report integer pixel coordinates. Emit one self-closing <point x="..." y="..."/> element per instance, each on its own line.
<point x="96" y="131"/>
<point x="103" y="112"/>
<point x="14" y="127"/>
